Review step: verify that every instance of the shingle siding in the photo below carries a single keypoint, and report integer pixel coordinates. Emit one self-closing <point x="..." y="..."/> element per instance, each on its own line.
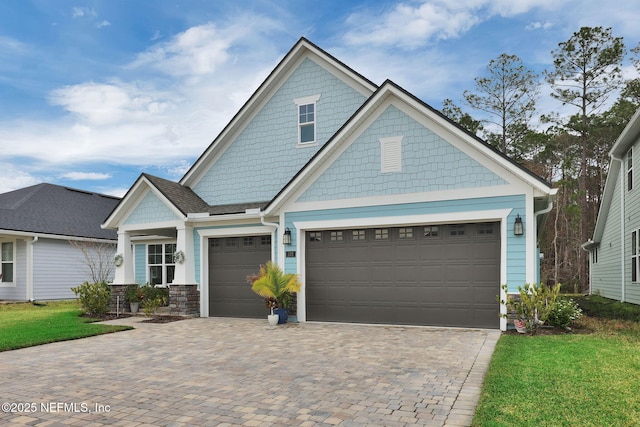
<point x="429" y="163"/>
<point x="265" y="155"/>
<point x="150" y="210"/>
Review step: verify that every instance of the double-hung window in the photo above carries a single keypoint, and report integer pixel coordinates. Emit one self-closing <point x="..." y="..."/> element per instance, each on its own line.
<point x="161" y="263"/>
<point x="307" y="119"/>
<point x="6" y="262"/>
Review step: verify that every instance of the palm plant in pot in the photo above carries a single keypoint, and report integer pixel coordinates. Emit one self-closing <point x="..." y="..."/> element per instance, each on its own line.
<point x="276" y="287"/>
<point x="134" y="296"/>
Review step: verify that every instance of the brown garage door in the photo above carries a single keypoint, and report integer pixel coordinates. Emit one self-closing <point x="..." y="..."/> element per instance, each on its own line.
<point x="444" y="275"/>
<point x="231" y="260"/>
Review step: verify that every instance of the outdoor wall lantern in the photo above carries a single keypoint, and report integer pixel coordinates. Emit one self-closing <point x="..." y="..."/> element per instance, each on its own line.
<point x="286" y="237"/>
<point x="518" y="229"/>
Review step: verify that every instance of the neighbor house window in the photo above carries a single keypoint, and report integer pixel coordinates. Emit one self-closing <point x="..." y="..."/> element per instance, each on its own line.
<point x="307" y="119"/>
<point x="630" y="170"/>
<point x="634" y="256"/>
<point x="6" y="258"/>
<point x="162" y="263"/>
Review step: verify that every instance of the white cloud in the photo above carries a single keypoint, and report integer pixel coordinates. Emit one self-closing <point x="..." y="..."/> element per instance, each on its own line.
<point x="133" y="122"/>
<point x="539" y="26"/>
<point x="103" y="23"/>
<point x="110" y="103"/>
<point x="12" y="178"/>
<point x="82" y="176"/>
<point x="413" y="24"/>
<point x="82" y="12"/>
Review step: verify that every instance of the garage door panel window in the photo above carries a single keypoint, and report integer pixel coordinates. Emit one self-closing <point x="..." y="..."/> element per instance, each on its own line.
<point x="431" y="231"/>
<point x="456" y="230"/>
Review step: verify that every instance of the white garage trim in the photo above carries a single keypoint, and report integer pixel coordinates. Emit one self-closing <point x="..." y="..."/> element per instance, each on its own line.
<point x="207" y="233"/>
<point x="426" y="219"/>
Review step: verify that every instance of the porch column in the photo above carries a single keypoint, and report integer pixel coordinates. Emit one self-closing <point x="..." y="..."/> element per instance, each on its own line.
<point x="124" y="273"/>
<point x="185" y="274"/>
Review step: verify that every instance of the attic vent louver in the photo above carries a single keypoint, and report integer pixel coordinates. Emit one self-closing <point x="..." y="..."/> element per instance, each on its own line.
<point x="391" y="154"/>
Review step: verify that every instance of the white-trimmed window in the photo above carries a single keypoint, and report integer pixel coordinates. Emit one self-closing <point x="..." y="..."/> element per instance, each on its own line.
<point x="7" y="264"/>
<point x="630" y="170"/>
<point x="161" y="263"/>
<point x="307" y="119"/>
<point x="391" y="154"/>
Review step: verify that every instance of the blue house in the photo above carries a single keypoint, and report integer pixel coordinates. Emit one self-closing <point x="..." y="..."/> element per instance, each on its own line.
<point x="388" y="211"/>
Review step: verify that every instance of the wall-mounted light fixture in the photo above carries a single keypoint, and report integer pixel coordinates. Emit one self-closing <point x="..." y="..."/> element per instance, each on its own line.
<point x="286" y="237"/>
<point x="518" y="228"/>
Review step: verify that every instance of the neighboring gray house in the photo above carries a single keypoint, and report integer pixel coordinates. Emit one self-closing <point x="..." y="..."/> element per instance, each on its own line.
<point x="46" y="234"/>
<point x="388" y="211"/>
<point x="615" y="246"/>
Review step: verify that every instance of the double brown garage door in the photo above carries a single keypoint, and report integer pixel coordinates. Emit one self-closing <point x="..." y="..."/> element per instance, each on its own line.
<point x="444" y="275"/>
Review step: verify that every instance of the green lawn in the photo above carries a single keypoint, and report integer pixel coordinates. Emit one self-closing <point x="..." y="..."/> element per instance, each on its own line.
<point x="565" y="380"/>
<point x="26" y="324"/>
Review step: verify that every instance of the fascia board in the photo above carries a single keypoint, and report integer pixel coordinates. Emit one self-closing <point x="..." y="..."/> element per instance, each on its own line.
<point x="607" y="197"/>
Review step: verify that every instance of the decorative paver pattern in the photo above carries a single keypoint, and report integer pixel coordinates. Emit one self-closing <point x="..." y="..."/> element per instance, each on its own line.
<point x="223" y="372"/>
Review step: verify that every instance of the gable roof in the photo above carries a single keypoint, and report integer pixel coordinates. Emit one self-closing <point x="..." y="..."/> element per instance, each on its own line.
<point x="385" y="91"/>
<point x="179" y="197"/>
<point x="56" y="210"/>
<point x="300" y="50"/>
<point x="629" y="135"/>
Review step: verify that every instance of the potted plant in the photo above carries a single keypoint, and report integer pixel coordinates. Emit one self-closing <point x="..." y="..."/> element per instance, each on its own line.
<point x="532" y="307"/>
<point x="134" y="295"/>
<point x="276" y="287"/>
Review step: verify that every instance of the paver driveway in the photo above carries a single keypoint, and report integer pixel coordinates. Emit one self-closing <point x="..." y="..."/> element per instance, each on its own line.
<point x="214" y="371"/>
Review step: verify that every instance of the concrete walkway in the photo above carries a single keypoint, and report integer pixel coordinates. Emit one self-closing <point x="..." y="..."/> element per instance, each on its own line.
<point x="214" y="371"/>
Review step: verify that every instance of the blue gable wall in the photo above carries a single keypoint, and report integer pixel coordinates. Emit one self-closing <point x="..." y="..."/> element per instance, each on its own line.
<point x="429" y="163"/>
<point x="149" y="210"/>
<point x="265" y="156"/>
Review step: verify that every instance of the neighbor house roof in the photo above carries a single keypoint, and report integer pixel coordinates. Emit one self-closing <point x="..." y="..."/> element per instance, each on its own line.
<point x="56" y="210"/>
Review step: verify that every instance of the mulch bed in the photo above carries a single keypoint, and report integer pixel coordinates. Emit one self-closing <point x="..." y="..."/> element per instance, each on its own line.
<point x="546" y="330"/>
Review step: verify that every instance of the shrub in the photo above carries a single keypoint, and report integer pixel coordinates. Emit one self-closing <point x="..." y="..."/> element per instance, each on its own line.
<point x="563" y="312"/>
<point x="93" y="297"/>
<point x="534" y="305"/>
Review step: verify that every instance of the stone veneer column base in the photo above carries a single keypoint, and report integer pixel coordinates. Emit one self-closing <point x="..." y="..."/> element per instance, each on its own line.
<point x="184" y="300"/>
<point x="119" y="291"/>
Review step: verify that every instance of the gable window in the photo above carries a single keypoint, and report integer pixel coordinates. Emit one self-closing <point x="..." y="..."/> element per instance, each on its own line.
<point x="307" y="119"/>
<point x="391" y="154"/>
<point x="6" y="260"/>
<point x="161" y="263"/>
<point x="630" y="170"/>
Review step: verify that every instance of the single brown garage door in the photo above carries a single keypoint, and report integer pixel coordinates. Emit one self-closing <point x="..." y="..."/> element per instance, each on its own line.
<point x="441" y="275"/>
<point x="231" y="260"/>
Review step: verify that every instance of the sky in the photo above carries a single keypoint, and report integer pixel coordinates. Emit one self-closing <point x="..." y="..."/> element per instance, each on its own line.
<point x="94" y="93"/>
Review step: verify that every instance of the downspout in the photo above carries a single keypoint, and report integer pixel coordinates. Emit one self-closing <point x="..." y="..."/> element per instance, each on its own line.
<point x="623" y="290"/>
<point x="535" y="224"/>
<point x="271" y="224"/>
<point x="30" y="267"/>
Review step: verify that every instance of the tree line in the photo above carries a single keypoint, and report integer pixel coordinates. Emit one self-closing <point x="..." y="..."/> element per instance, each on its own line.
<point x="572" y="150"/>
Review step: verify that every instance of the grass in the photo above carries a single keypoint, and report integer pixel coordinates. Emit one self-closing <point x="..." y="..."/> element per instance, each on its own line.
<point x="26" y="324"/>
<point x="582" y="379"/>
